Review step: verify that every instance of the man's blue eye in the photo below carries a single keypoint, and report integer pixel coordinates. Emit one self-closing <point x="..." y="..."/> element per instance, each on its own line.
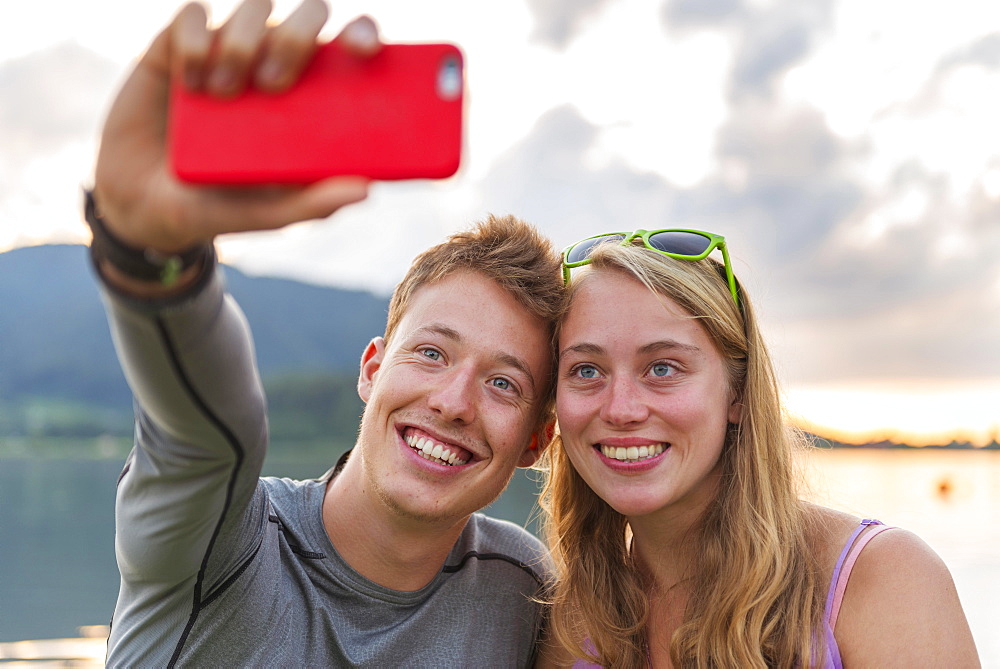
<point x="432" y="354"/>
<point x="502" y="384"/>
<point x="661" y="369"/>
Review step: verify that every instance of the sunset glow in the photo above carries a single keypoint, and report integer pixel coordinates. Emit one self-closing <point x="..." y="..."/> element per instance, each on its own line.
<point x="919" y="413"/>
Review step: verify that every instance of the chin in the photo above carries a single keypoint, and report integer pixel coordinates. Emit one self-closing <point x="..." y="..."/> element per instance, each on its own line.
<point x="634" y="506"/>
<point x="425" y="508"/>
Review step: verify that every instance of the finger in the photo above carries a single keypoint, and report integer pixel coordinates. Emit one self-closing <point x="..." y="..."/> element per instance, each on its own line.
<point x="236" y="210"/>
<point x="190" y="45"/>
<point x="361" y="37"/>
<point x="237" y="46"/>
<point x="290" y="45"/>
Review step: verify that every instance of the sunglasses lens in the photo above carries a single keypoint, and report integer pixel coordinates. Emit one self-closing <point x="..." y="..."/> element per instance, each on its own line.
<point x="680" y="242"/>
<point x="580" y="252"/>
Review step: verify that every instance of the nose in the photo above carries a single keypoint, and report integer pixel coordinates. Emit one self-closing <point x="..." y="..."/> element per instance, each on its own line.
<point x="623" y="404"/>
<point x="452" y="397"/>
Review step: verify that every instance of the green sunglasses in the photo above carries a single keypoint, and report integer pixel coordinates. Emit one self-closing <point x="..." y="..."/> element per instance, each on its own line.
<point x="672" y="242"/>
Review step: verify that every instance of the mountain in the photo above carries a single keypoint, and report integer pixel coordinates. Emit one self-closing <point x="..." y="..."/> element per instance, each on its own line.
<point x="54" y="339"/>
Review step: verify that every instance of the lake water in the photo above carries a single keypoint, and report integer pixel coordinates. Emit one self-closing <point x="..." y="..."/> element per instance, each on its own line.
<point x="57" y="569"/>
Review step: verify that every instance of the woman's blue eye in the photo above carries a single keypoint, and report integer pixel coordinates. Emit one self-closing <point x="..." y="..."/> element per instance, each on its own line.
<point x="661" y="369"/>
<point x="587" y="372"/>
<point x="432" y="354"/>
<point x="502" y="384"/>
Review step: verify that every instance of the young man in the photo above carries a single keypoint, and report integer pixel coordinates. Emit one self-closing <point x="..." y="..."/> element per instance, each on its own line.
<point x="383" y="561"/>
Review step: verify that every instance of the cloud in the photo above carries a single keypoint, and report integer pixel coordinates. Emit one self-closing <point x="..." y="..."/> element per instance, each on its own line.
<point x="558" y="21"/>
<point x="52" y="98"/>
<point x="561" y="179"/>
<point x="769" y="39"/>
<point x="866" y="279"/>
<point x="367" y="246"/>
<point x="792" y="175"/>
<point x="983" y="54"/>
<point x="767" y="51"/>
<point x="862" y="274"/>
<point x="847" y="303"/>
<point x="985" y="51"/>
<point x="859" y="276"/>
<point x="682" y="14"/>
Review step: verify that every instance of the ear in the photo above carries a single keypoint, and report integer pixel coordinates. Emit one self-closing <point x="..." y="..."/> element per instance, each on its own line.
<point x="371" y="360"/>
<point x="540" y="440"/>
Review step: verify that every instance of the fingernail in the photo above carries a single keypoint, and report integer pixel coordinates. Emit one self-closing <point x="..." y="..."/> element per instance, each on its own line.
<point x="362" y="33"/>
<point x="270" y="74"/>
<point x="222" y="79"/>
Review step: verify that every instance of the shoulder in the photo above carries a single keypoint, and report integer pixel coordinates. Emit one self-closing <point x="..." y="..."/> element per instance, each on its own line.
<point x="280" y="488"/>
<point x="290" y="496"/>
<point x="827" y="531"/>
<point x="501" y="534"/>
<point x="493" y="539"/>
<point x="901" y="608"/>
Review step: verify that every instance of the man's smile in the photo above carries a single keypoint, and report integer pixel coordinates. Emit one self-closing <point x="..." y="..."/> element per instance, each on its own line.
<point x="434" y="450"/>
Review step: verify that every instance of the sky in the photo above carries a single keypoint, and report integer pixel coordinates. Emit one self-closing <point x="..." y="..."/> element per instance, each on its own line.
<point x="846" y="149"/>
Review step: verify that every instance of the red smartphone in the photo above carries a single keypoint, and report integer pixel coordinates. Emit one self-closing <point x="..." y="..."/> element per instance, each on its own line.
<point x="397" y="115"/>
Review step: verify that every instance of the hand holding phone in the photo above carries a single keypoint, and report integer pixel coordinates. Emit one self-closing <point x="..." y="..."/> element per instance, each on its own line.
<point x="396" y="115"/>
<point x="135" y="185"/>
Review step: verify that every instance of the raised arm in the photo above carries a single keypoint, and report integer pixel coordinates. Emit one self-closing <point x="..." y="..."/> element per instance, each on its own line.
<point x="201" y="426"/>
<point x="140" y="201"/>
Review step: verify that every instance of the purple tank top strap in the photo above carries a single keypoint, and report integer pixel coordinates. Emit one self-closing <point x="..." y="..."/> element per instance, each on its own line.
<point x="831" y="592"/>
<point x="838" y="582"/>
<point x="842" y="572"/>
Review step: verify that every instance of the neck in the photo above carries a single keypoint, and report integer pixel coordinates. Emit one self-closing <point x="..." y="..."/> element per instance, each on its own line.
<point x="665" y="543"/>
<point x="665" y="553"/>
<point x="387" y="548"/>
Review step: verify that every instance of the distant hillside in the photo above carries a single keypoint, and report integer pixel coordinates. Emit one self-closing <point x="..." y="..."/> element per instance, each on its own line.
<point x="54" y="339"/>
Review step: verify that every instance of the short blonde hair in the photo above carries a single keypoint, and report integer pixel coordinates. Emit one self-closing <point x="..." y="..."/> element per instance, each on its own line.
<point x="506" y="250"/>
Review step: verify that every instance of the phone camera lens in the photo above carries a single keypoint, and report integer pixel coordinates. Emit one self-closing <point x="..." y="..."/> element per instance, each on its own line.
<point x="449" y="84"/>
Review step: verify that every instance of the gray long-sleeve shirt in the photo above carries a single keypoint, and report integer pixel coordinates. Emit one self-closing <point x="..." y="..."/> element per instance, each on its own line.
<point x="222" y="568"/>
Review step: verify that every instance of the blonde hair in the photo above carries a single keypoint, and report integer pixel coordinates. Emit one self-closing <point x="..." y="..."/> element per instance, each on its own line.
<point x="504" y="249"/>
<point x="756" y="596"/>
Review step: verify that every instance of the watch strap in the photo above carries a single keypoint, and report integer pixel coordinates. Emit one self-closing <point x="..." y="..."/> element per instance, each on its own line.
<point x="142" y="264"/>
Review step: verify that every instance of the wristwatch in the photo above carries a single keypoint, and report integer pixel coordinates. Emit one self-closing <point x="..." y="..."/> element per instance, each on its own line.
<point x="142" y="264"/>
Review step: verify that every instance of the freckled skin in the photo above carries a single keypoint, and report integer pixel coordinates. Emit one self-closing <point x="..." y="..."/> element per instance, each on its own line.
<point x="448" y="372"/>
<point x="634" y="368"/>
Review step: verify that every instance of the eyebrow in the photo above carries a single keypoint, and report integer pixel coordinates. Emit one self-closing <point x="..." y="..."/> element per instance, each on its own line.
<point x="669" y="344"/>
<point x="508" y="359"/>
<point x="443" y="330"/>
<point x="660" y="345"/>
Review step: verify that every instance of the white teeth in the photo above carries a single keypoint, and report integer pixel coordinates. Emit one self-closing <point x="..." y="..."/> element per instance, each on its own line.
<point x="632" y="453"/>
<point x="433" y="451"/>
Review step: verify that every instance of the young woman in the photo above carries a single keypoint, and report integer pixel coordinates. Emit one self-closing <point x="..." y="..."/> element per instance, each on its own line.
<point x="672" y="511"/>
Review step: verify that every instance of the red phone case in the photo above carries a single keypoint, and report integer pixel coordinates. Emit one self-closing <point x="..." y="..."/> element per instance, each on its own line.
<point x="397" y="115"/>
